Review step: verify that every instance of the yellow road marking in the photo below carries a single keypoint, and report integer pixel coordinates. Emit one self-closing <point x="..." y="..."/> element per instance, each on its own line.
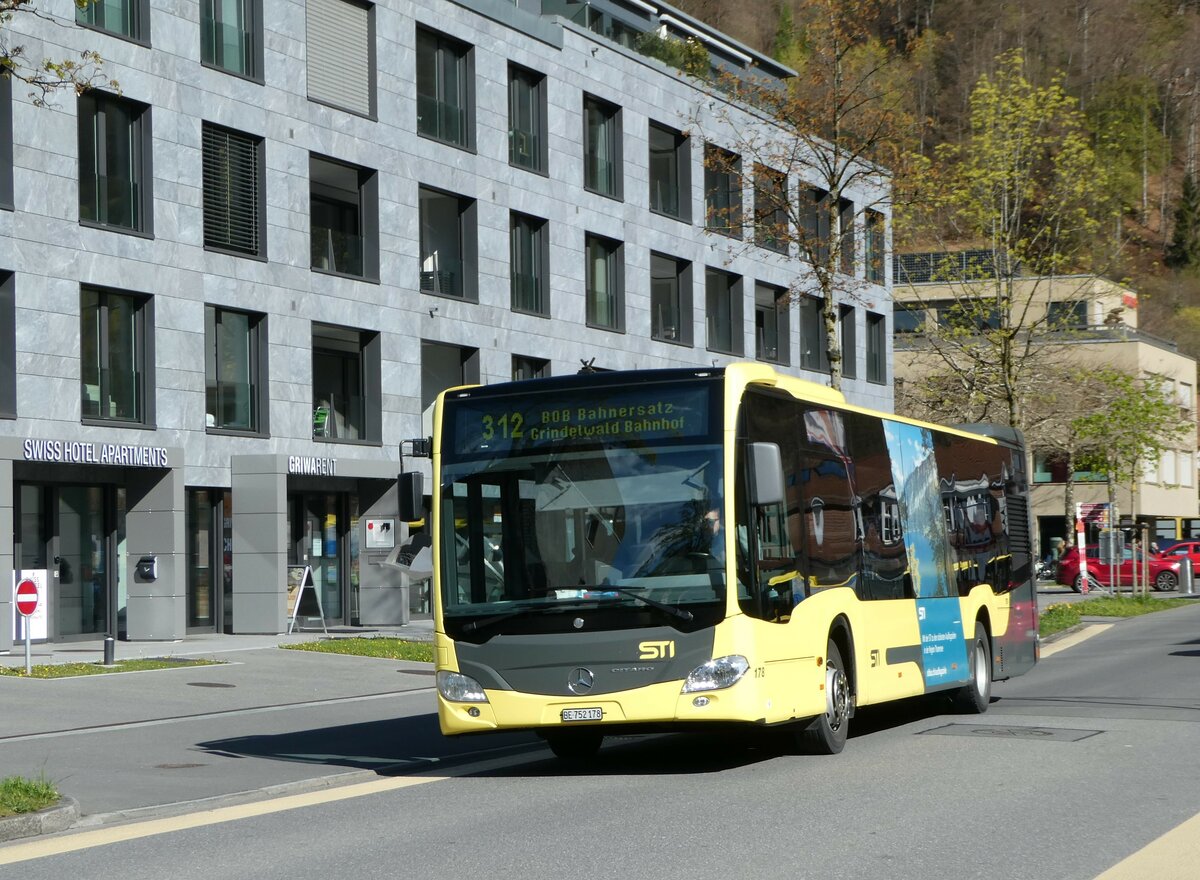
<point x="52" y="846"/>
<point x="1092" y="629"/>
<point x="1171" y="857"/>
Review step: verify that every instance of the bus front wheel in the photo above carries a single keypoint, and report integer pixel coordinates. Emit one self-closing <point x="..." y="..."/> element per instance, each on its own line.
<point x="973" y="698"/>
<point x="574" y="745"/>
<point x="826" y="735"/>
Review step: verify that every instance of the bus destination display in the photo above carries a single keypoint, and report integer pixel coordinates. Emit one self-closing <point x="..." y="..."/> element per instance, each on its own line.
<point x="629" y="414"/>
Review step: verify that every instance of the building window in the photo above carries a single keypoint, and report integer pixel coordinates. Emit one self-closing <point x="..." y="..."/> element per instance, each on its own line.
<point x="529" y="368"/>
<point x="814" y="224"/>
<point x="770" y="209"/>
<point x="341" y="54"/>
<point x="670" y="173"/>
<point x="529" y="264"/>
<point x="814" y="351"/>
<point x="114" y="163"/>
<point x="444" y="105"/>
<point x="527" y="147"/>
<point x="873" y="243"/>
<point x="670" y="299"/>
<point x="446" y="366"/>
<point x="1067" y="315"/>
<point x="846" y="244"/>
<point x="847" y="321"/>
<point x="8" y="345"/>
<point x="771" y="328"/>
<point x="234" y="202"/>
<point x="722" y="191"/>
<point x="601" y="147"/>
<point x="346" y="384"/>
<point x="723" y="311"/>
<point x="124" y="18"/>
<point x="6" y="144"/>
<point x="876" y="348"/>
<point x="231" y="36"/>
<point x="448" y="254"/>
<point x="344" y="217"/>
<point x="907" y="318"/>
<point x="234" y="370"/>
<point x="605" y="283"/>
<point x="116" y="338"/>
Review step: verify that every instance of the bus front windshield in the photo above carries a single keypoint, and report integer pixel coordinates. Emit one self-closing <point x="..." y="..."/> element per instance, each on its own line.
<point x="634" y="530"/>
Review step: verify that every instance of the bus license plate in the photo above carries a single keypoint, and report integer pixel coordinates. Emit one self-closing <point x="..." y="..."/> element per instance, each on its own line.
<point x="596" y="714"/>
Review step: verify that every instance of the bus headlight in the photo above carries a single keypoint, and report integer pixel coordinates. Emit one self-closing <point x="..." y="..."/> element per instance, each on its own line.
<point x="716" y="674"/>
<point x="460" y="688"/>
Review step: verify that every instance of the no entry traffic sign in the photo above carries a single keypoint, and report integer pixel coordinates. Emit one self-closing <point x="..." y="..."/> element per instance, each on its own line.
<point x="27" y="597"/>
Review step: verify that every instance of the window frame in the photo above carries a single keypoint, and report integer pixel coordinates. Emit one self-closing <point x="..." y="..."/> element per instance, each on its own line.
<point x="680" y="275"/>
<point x="874" y="247"/>
<point x="876" y="348"/>
<point x="848" y="331"/>
<point x="369" y="378"/>
<point x="732" y="310"/>
<point x="256" y="366"/>
<point x="468" y="244"/>
<point x="139" y="32"/>
<point x="365" y="207"/>
<point x="675" y="177"/>
<point x="771" y="230"/>
<point x="722" y="191"/>
<point x="522" y="77"/>
<point x="614" y="259"/>
<point x="325" y="98"/>
<point x="814" y="344"/>
<point x="611" y="134"/>
<point x="252" y="32"/>
<point x="815" y="232"/>
<point x="6" y="145"/>
<point x="538" y="253"/>
<point x="8" y="344"/>
<point x="846" y="242"/>
<point x="463" y="57"/>
<point x="259" y="220"/>
<point x="142" y="356"/>
<point x="773" y="298"/>
<point x="539" y="367"/>
<point x="93" y="106"/>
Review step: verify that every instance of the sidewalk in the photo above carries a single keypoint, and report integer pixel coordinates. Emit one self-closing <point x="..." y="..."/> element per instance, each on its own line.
<point x="203" y="644"/>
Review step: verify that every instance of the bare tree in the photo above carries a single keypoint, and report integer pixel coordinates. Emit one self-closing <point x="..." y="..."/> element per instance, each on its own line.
<point x="47" y="76"/>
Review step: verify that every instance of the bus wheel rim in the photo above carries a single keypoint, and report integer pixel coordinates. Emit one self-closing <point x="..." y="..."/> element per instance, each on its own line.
<point x="837" y="697"/>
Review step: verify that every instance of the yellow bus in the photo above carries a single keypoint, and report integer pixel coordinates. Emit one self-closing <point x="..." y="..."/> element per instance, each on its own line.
<point x="697" y="548"/>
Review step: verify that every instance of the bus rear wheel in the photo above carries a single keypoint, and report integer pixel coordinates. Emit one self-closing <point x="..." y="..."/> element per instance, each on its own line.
<point x="826" y="735"/>
<point x="973" y="698"/>
<point x="574" y="745"/>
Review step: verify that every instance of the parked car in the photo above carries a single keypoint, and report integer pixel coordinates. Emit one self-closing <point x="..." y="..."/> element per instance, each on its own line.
<point x="1163" y="570"/>
<point x="1180" y="549"/>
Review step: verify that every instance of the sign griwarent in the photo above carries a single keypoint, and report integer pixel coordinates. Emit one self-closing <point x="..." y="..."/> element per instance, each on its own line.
<point x="86" y="452"/>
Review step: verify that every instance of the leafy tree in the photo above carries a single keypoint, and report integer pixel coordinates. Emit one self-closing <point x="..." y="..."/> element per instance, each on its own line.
<point x="1140" y="422"/>
<point x="846" y="121"/>
<point x="1184" y="250"/>
<point x="1027" y="191"/>
<point x="48" y="76"/>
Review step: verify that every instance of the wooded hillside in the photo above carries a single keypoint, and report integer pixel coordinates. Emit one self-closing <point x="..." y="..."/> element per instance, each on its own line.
<point x="1132" y="66"/>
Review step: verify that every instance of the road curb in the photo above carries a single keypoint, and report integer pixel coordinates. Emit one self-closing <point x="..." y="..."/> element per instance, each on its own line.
<point x="51" y="820"/>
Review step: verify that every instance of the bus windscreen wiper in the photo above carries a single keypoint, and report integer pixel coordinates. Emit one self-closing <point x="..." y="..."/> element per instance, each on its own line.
<point x="674" y="611"/>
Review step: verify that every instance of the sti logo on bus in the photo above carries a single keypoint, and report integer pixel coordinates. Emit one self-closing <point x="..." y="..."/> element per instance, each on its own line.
<point x="656" y="650"/>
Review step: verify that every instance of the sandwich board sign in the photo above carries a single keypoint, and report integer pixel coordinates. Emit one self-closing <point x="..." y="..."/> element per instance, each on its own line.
<point x="303" y="599"/>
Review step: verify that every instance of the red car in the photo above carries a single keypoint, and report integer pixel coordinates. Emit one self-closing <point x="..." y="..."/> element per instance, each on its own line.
<point x="1163" y="570"/>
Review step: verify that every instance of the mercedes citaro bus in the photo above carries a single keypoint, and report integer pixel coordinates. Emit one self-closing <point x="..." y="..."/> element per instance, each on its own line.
<point x="696" y="548"/>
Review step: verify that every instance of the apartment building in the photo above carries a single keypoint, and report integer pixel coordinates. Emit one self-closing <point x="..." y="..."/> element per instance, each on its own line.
<point x="229" y="290"/>
<point x="1091" y="321"/>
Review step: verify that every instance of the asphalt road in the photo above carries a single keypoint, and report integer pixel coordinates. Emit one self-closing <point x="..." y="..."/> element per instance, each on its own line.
<point x="1076" y="766"/>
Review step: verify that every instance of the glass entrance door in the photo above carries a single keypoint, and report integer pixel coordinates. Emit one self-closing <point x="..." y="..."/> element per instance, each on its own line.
<point x="321" y="527"/>
<point x="85" y="594"/>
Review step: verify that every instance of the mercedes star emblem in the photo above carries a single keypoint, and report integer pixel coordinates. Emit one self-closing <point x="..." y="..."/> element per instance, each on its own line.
<point x="580" y="680"/>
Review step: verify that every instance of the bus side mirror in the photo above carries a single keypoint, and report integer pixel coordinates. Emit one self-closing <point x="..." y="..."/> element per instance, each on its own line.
<point x="765" y="483"/>
<point x="411" y="486"/>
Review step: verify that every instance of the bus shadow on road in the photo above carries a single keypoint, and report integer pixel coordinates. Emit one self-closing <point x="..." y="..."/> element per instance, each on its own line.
<point x="414" y="745"/>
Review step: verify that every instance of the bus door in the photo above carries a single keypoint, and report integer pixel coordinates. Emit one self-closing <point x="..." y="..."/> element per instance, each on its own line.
<point x="494" y="539"/>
